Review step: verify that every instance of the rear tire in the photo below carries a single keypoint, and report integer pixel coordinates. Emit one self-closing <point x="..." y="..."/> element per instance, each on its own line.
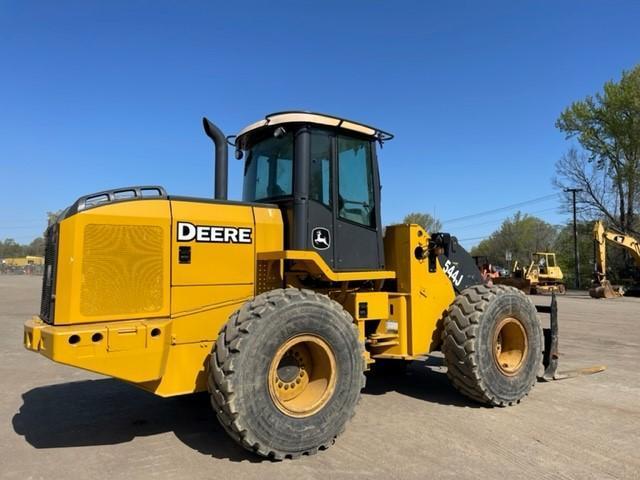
<point x="493" y="344"/>
<point x="286" y="372"/>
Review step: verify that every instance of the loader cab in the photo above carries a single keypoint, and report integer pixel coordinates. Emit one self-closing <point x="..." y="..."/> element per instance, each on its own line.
<point x="322" y="172"/>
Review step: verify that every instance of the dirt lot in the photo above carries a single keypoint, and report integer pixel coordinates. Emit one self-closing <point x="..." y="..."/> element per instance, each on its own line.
<point x="59" y="422"/>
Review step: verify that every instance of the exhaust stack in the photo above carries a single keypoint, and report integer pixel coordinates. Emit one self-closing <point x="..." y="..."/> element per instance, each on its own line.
<point x="221" y="159"/>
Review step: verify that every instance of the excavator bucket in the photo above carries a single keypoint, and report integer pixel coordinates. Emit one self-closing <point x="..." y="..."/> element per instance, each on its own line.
<point x="606" y="290"/>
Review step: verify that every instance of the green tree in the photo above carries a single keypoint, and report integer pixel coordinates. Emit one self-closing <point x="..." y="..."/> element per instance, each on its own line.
<point x="425" y="220"/>
<point x="563" y="247"/>
<point x="36" y="247"/>
<point x="520" y="235"/>
<point x="10" y="248"/>
<point x="607" y="127"/>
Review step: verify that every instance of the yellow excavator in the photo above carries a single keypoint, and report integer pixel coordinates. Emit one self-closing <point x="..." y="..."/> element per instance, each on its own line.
<point x="602" y="287"/>
<point x="277" y="304"/>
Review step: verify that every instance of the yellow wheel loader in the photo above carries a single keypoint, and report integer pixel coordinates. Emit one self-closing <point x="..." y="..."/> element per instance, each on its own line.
<point x="278" y="304"/>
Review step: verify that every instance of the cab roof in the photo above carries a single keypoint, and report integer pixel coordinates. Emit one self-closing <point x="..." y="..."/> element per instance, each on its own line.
<point x="280" y="118"/>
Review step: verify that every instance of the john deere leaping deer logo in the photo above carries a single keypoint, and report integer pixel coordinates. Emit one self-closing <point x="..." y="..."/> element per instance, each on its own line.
<point x="320" y="238"/>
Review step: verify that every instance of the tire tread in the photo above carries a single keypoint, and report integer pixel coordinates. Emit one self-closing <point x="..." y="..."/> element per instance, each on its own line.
<point x="459" y="342"/>
<point x="229" y="345"/>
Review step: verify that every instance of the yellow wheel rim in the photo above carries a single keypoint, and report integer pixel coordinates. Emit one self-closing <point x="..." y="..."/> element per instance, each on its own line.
<point x="302" y="376"/>
<point x="510" y="346"/>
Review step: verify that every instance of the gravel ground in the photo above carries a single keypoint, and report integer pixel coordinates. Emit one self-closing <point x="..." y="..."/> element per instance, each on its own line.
<point x="60" y="422"/>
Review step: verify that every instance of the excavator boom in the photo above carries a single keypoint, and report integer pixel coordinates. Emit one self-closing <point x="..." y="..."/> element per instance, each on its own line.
<point x="602" y="287"/>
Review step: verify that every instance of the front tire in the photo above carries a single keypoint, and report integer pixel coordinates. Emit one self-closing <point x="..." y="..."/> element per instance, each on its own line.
<point x="493" y="344"/>
<point x="286" y="373"/>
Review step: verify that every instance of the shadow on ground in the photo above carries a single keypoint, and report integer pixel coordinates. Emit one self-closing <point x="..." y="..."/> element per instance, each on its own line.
<point x="107" y="412"/>
<point x="423" y="379"/>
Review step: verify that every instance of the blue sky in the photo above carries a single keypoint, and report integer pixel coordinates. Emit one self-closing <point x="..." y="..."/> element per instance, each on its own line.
<point x="95" y="95"/>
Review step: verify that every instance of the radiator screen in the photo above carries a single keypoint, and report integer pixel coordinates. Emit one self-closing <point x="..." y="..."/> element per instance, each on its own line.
<point x="121" y="270"/>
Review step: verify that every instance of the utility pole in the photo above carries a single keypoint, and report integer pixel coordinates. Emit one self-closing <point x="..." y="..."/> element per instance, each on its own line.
<point x="576" y="257"/>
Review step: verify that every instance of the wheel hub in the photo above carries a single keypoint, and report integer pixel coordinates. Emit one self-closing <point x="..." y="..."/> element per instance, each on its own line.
<point x="510" y="346"/>
<point x="289" y="368"/>
<point x="302" y="376"/>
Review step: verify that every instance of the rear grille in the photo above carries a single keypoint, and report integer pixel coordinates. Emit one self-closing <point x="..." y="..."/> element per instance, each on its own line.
<point x="49" y="274"/>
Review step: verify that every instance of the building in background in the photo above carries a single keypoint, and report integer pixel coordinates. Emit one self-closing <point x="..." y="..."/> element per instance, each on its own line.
<point x="29" y="265"/>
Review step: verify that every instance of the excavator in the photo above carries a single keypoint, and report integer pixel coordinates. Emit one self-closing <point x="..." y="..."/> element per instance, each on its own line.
<point x="602" y="287"/>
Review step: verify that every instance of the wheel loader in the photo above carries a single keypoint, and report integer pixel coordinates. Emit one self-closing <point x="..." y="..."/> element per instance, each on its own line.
<point x="278" y="304"/>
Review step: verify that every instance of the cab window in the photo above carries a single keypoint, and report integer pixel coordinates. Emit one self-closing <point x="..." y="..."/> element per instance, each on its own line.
<point x="320" y="169"/>
<point x="268" y="171"/>
<point x="355" y="181"/>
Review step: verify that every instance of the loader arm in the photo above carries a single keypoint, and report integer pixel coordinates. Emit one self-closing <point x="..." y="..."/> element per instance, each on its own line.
<point x="456" y="262"/>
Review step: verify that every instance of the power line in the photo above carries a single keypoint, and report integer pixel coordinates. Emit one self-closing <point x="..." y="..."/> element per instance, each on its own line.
<point x="489" y="222"/>
<point x="502" y="219"/>
<point x="474" y="238"/>
<point x="502" y="209"/>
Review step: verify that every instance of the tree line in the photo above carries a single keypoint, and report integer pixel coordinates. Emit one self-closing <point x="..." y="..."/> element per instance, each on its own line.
<point x="521" y="234"/>
<point x="9" y="248"/>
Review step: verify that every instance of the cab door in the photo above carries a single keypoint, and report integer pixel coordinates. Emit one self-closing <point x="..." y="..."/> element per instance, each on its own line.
<point x="357" y="226"/>
<point x="320" y="229"/>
